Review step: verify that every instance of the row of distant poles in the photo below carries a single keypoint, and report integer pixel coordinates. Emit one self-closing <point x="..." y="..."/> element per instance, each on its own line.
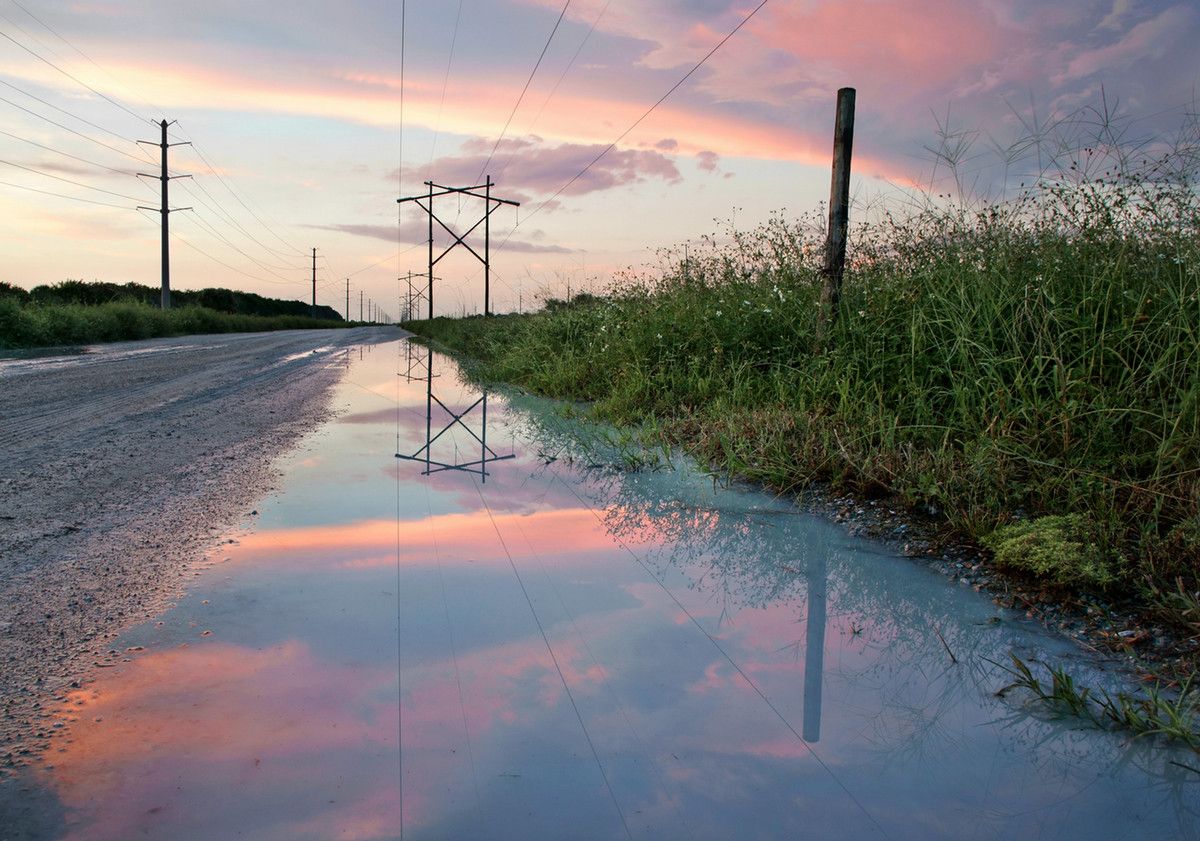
<point x="835" y="245"/>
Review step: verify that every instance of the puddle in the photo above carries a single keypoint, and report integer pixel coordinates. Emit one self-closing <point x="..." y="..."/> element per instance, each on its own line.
<point x="539" y="647"/>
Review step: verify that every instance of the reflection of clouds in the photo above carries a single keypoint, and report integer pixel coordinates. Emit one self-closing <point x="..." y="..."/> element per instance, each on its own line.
<point x="563" y="534"/>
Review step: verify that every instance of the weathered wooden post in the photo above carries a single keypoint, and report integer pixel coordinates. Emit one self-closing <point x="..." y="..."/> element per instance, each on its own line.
<point x="839" y="217"/>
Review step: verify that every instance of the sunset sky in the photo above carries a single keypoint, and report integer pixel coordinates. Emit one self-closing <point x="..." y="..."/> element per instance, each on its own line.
<point x="301" y="139"/>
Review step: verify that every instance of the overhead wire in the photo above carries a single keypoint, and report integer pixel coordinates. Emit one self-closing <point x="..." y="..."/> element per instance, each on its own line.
<point x="70" y="76"/>
<point x="130" y="155"/>
<point x="638" y="121"/>
<point x="65" y="196"/>
<point x="557" y="84"/>
<point x="89" y="59"/>
<point x="520" y="98"/>
<point x="71" y="114"/>
<point x="69" y="180"/>
<point x="96" y="164"/>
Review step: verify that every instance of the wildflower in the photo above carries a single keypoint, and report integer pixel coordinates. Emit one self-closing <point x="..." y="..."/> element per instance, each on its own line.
<point x="659" y="335"/>
<point x="862" y="313"/>
<point x="718" y="313"/>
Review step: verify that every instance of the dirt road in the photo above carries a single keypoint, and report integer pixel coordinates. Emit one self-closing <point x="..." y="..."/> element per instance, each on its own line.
<point x="118" y="470"/>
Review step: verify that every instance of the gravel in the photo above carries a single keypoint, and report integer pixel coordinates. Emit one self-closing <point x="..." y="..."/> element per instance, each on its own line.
<point x="120" y="469"/>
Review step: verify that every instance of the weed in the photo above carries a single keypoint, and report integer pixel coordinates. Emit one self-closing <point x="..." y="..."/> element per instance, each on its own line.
<point x="1175" y="717"/>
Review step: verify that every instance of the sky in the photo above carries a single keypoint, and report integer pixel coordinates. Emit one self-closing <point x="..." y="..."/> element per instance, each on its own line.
<point x="308" y="120"/>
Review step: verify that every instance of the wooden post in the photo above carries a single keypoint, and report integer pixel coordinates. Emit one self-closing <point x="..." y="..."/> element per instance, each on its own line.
<point x="839" y="217"/>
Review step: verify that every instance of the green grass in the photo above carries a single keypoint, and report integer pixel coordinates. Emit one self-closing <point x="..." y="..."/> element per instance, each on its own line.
<point x="995" y="365"/>
<point x="31" y="325"/>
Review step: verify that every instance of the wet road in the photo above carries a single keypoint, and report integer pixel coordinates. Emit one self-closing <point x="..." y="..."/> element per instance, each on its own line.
<point x="561" y="649"/>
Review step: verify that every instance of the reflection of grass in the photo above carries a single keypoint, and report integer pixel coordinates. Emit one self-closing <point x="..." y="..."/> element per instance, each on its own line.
<point x="1174" y="717"/>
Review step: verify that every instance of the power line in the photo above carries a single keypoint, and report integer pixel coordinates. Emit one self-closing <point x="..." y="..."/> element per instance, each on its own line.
<point x="223" y="217"/>
<point x="73" y="78"/>
<point x="252" y="259"/>
<point x="65" y="111"/>
<point x="67" y="154"/>
<point x="201" y="251"/>
<point x="64" y="196"/>
<point x="445" y="83"/>
<point x="131" y="156"/>
<point x="528" y="81"/>
<point x="90" y="60"/>
<point x="638" y="121"/>
<point x="239" y="200"/>
<point x="68" y="180"/>
<point x="554" y="90"/>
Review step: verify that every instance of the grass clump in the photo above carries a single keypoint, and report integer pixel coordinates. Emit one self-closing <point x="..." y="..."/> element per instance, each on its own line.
<point x="1057" y="549"/>
<point x="1174" y="715"/>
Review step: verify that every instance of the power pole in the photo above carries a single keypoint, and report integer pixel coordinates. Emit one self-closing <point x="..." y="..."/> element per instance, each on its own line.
<point x="490" y="206"/>
<point x="165" y="210"/>
<point x="347" y="299"/>
<point x="314" y="282"/>
<point x="839" y="216"/>
<point x="360" y="304"/>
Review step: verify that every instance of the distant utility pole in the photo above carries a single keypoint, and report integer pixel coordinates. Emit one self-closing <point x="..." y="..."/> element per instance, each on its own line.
<point x="490" y="206"/>
<point x="347" y="299"/>
<point x="360" y="305"/>
<point x="165" y="210"/>
<point x="314" y="282"/>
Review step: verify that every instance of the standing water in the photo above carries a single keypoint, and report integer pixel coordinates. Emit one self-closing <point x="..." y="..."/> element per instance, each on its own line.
<point x="419" y="637"/>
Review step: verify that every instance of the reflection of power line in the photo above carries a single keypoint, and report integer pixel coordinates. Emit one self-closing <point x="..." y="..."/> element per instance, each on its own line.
<point x="424" y="453"/>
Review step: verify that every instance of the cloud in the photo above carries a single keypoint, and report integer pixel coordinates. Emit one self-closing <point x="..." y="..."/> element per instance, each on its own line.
<point x="532" y="167"/>
<point x="707" y="161"/>
<point x="416" y="231"/>
<point x="1150" y="39"/>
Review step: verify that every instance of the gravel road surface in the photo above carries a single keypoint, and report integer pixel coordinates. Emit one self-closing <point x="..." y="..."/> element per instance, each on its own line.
<point x="120" y="468"/>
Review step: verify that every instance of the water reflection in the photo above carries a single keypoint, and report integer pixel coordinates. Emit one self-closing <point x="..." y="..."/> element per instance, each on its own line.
<point x="571" y="651"/>
<point x="424" y="453"/>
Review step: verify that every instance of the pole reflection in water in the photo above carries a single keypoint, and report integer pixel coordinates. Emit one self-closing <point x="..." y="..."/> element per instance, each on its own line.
<point x="814" y="648"/>
<point x="424" y="453"/>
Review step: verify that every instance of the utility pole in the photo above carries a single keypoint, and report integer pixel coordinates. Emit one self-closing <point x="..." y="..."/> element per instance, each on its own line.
<point x="314" y="282"/>
<point x="347" y="299"/>
<point x="839" y="216"/>
<point x="165" y="210"/>
<point x="490" y="206"/>
<point x="360" y="304"/>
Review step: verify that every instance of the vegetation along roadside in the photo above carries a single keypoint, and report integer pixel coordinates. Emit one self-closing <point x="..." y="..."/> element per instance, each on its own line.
<point x="1025" y="370"/>
<point x="74" y="312"/>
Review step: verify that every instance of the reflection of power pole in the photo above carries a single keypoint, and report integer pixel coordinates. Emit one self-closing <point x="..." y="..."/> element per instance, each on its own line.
<point x="814" y="646"/>
<point x="490" y="206"/>
<point x="165" y="210"/>
<point x="424" y="454"/>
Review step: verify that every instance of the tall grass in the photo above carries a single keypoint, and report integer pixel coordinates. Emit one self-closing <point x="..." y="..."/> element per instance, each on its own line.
<point x="33" y="325"/>
<point x="1003" y="362"/>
